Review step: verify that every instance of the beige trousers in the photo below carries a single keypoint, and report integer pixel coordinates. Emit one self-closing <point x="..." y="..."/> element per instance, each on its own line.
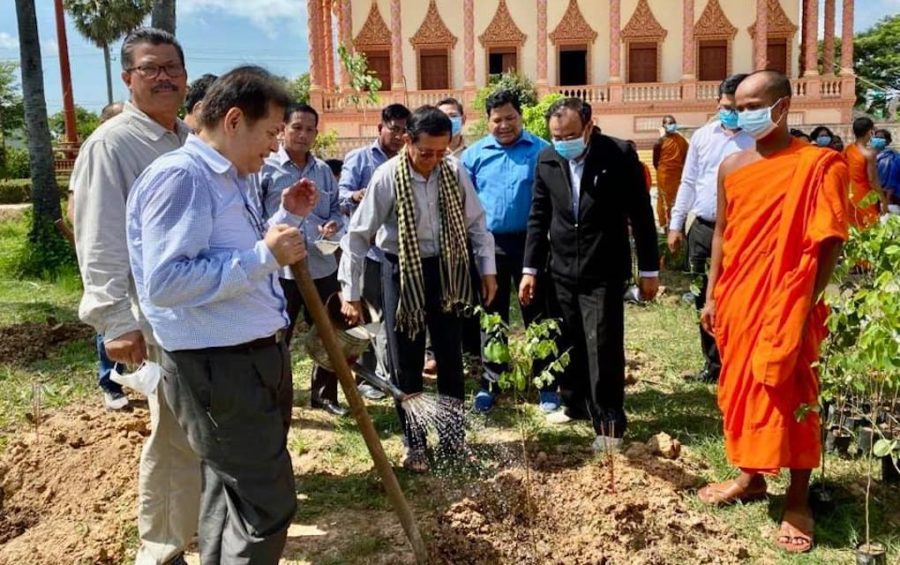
<point x="168" y="485"/>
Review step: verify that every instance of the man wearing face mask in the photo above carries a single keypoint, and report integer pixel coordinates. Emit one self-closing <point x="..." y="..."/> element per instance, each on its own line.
<point x="588" y="188"/>
<point x="669" y="154"/>
<point x="782" y="218"/>
<point x="421" y="209"/>
<point x="502" y="165"/>
<point x="863" y="175"/>
<point x="822" y="136"/>
<point x="888" y="161"/>
<point x="454" y="110"/>
<point x="710" y="145"/>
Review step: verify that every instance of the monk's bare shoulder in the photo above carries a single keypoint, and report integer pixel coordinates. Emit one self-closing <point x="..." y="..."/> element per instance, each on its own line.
<point x="869" y="154"/>
<point x="737" y="161"/>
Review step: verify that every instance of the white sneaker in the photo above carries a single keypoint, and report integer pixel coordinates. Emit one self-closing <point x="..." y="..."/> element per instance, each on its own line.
<point x="115" y="400"/>
<point x="558" y="417"/>
<point x="604" y="443"/>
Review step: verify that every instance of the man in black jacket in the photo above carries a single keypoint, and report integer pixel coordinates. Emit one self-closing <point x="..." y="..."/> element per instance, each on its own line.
<point x="588" y="188"/>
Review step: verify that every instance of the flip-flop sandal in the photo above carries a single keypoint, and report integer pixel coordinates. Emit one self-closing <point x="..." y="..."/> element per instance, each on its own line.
<point x="729" y="492"/>
<point x="792" y="539"/>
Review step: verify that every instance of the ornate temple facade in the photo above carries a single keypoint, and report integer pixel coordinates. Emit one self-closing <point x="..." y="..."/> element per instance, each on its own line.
<point x="633" y="60"/>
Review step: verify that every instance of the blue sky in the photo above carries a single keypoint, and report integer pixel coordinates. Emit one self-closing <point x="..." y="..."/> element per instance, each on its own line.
<point x="217" y="35"/>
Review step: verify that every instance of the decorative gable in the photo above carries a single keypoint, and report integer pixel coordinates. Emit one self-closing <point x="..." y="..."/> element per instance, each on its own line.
<point x="375" y="34"/>
<point x="502" y="30"/>
<point x="714" y="24"/>
<point x="779" y="25"/>
<point x="573" y="28"/>
<point x="643" y="25"/>
<point x="433" y="32"/>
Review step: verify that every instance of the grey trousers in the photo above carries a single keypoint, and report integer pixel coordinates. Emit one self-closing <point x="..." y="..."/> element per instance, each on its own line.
<point x="235" y="407"/>
<point x="376" y="356"/>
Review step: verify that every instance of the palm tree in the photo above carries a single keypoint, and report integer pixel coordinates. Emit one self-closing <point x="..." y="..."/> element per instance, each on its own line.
<point x="44" y="191"/>
<point x="163" y="16"/>
<point x="103" y="22"/>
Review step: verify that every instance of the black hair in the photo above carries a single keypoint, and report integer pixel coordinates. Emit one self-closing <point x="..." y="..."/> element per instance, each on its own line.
<point x="301" y="108"/>
<point x="428" y="120"/>
<point x="730" y="84"/>
<point x="250" y="88"/>
<point x="501" y="98"/>
<point x="820" y="130"/>
<point x="451" y="102"/>
<point x="797" y="133"/>
<point x="197" y="90"/>
<point x="150" y="35"/>
<point x="669" y="117"/>
<point x="577" y="105"/>
<point x="335" y="165"/>
<point x="862" y="125"/>
<point x="884" y="134"/>
<point x="393" y="112"/>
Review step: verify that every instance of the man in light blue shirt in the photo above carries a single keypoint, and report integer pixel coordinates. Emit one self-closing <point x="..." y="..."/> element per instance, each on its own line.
<point x="697" y="195"/>
<point x="205" y="268"/>
<point x="502" y="166"/>
<point x="294" y="161"/>
<point x="359" y="166"/>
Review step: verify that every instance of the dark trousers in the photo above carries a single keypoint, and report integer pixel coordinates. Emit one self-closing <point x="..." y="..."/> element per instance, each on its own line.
<point x="509" y="251"/>
<point x="324" y="384"/>
<point x="407" y="354"/>
<point x="699" y="244"/>
<point x="593" y="329"/>
<point x="105" y="369"/>
<point x="235" y="408"/>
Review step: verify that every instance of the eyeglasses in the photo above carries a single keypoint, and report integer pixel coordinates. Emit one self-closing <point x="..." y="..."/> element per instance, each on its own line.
<point x="151" y="70"/>
<point x="429" y="154"/>
<point x="396" y="130"/>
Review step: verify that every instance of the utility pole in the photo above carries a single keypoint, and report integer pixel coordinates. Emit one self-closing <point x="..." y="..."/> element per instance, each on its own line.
<point x="65" y="74"/>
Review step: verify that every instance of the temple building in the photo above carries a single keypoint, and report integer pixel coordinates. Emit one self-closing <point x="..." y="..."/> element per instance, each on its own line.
<point x="633" y="60"/>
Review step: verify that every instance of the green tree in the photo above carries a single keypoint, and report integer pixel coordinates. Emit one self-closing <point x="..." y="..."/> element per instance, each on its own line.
<point x="45" y="250"/>
<point x="363" y="81"/>
<point x="103" y="22"/>
<point x="85" y="122"/>
<point x="299" y="88"/>
<point x="876" y="54"/>
<point x="12" y="110"/>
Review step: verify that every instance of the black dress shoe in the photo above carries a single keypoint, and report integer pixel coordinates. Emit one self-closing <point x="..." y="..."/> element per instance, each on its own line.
<point x="704" y="376"/>
<point x="332" y="408"/>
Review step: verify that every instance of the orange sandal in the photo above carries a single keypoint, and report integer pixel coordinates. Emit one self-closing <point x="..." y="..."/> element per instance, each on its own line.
<point x="795" y="538"/>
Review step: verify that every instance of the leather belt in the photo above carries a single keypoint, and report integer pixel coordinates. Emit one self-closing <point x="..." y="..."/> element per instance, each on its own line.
<point x="256" y="344"/>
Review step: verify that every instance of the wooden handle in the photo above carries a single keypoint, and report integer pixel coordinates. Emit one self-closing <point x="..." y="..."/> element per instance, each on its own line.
<point x="358" y="408"/>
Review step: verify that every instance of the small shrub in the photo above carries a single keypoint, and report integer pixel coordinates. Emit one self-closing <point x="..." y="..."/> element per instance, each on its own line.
<point x="15" y="165"/>
<point x="42" y="254"/>
<point x="533" y="116"/>
<point x="15" y="191"/>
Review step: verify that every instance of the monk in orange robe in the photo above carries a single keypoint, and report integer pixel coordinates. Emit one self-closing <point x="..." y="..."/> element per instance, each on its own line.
<point x="669" y="154"/>
<point x="863" y="175"/>
<point x="782" y="210"/>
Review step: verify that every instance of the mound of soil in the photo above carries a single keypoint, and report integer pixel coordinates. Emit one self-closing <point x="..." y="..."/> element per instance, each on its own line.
<point x="29" y="341"/>
<point x="68" y="489"/>
<point x="569" y="514"/>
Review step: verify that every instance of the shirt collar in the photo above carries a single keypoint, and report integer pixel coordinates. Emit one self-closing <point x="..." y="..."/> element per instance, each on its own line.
<point x="284" y="159"/>
<point x="524" y="137"/>
<point x="213" y="159"/>
<point x="150" y="127"/>
<point x="376" y="148"/>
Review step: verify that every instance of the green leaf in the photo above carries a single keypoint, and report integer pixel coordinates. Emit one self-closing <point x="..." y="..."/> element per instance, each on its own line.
<point x="884" y="447"/>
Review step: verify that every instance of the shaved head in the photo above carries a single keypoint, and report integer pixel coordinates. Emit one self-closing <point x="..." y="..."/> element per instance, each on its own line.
<point x="767" y="85"/>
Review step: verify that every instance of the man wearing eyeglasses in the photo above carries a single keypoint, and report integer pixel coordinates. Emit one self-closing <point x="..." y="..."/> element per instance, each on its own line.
<point x="359" y="166"/>
<point x="107" y="166"/>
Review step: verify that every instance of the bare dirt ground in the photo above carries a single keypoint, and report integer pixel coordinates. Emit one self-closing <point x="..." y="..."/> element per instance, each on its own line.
<point x="29" y="341"/>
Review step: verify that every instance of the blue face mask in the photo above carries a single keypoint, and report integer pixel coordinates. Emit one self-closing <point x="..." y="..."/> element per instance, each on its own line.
<point x="758" y="123"/>
<point x="570" y="149"/>
<point x="728" y="118"/>
<point x="456" y="125"/>
<point x="671" y="128"/>
<point x="823" y="140"/>
<point x="877" y="143"/>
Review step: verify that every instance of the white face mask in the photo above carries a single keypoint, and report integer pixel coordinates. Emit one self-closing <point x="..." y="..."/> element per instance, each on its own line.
<point x="758" y="123"/>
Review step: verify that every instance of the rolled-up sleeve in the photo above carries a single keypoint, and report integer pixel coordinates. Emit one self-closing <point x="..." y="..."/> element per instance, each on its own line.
<point x="476" y="226"/>
<point x="371" y="214"/>
<point x="180" y="269"/>
<point x="101" y="188"/>
<point x="350" y="182"/>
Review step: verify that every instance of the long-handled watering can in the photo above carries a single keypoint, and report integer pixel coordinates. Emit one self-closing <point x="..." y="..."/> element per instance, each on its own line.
<point x="337" y="361"/>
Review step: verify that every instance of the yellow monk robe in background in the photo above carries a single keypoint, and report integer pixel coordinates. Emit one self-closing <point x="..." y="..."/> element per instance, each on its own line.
<point x="648" y="176"/>
<point x="860" y="188"/>
<point x="779" y="211"/>
<point x="669" y="155"/>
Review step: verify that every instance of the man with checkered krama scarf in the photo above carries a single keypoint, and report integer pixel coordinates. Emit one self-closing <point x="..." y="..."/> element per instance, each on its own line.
<point x="421" y="208"/>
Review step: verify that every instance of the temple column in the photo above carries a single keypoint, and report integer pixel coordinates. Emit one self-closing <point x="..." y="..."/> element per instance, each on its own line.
<point x="615" y="41"/>
<point x="345" y="28"/>
<point x="328" y="42"/>
<point x="811" y="56"/>
<point x="828" y="41"/>
<point x="761" y="40"/>
<point x="542" y="43"/>
<point x="397" y="82"/>
<point x="469" y="44"/>
<point x="804" y="17"/>
<point x="847" y="39"/>
<point x="314" y="20"/>
<point x="688" y="71"/>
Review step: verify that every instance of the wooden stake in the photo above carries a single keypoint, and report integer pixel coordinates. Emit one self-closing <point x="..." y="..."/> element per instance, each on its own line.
<point x="358" y="408"/>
